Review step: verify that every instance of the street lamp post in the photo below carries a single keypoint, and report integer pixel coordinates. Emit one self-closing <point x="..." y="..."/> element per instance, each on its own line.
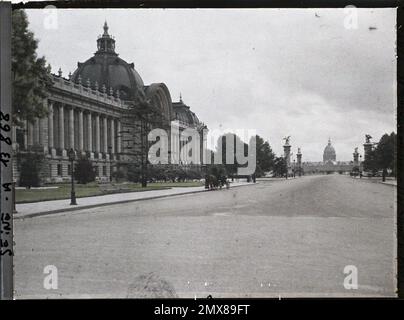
<point x="72" y="156"/>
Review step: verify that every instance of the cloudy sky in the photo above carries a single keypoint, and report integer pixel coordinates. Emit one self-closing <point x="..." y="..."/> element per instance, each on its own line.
<point x="297" y="72"/>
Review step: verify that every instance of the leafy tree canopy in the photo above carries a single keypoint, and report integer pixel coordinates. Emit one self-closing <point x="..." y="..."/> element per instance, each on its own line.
<point x="31" y="76"/>
<point x="84" y="171"/>
<point x="30" y="168"/>
<point x="280" y="168"/>
<point x="386" y="151"/>
<point x="384" y="155"/>
<point x="265" y="156"/>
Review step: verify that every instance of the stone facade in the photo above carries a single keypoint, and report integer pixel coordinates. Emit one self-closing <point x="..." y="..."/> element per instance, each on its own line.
<point x="91" y="116"/>
<point x="78" y="118"/>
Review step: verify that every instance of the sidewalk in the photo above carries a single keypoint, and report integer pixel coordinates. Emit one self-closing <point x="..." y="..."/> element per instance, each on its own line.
<point x="389" y="181"/>
<point x="26" y="210"/>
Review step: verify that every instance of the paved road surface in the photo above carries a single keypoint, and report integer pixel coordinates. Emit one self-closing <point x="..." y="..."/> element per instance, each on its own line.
<point x="288" y="238"/>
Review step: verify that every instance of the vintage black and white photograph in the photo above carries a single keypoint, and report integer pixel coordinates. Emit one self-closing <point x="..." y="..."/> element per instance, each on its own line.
<point x="187" y="153"/>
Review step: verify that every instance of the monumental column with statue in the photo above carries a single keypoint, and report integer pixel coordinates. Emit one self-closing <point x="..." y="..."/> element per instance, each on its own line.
<point x="367" y="147"/>
<point x="299" y="161"/>
<point x="286" y="154"/>
<point x="356" y="157"/>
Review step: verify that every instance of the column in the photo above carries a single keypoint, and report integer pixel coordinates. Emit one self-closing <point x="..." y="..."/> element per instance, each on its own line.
<point x="97" y="133"/>
<point x="41" y="131"/>
<point x="105" y="134"/>
<point x="299" y="158"/>
<point x="36" y="131"/>
<point x="61" y="128"/>
<point x="356" y="157"/>
<point x="299" y="162"/>
<point x="43" y="138"/>
<point x="119" y="139"/>
<point x="368" y="147"/>
<point x="286" y="154"/>
<point x="112" y="136"/>
<point x="30" y="134"/>
<point x="71" y="127"/>
<point x="81" y="131"/>
<point x="50" y="125"/>
<point x="89" y="133"/>
<point x="25" y="127"/>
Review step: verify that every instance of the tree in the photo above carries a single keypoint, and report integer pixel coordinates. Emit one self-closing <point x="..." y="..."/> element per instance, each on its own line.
<point x="134" y="173"/>
<point x="370" y="163"/>
<point x="264" y="155"/>
<point x="385" y="152"/>
<point x="118" y="175"/>
<point x="84" y="171"/>
<point x="279" y="168"/>
<point x="232" y="165"/>
<point x="383" y="156"/>
<point x="154" y="173"/>
<point x="30" y="167"/>
<point x="217" y="170"/>
<point x="31" y="77"/>
<point x="142" y="115"/>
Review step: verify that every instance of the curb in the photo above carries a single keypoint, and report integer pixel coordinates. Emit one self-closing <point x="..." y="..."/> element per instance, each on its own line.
<point x="43" y="213"/>
<point x="388" y="184"/>
<point x="365" y="179"/>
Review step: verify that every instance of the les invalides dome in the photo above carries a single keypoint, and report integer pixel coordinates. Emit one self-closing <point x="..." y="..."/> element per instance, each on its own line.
<point x="329" y="154"/>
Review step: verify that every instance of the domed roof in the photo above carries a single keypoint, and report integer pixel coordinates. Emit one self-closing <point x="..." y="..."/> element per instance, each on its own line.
<point x="329" y="152"/>
<point x="184" y="114"/>
<point x="105" y="68"/>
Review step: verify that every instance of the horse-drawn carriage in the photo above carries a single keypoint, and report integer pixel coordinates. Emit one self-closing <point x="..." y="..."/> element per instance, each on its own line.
<point x="213" y="182"/>
<point x="216" y="177"/>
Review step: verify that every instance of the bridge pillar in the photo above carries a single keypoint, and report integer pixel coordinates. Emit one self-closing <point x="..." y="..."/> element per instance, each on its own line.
<point x="356" y="158"/>
<point x="367" y="147"/>
<point x="286" y="154"/>
<point x="299" y="161"/>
